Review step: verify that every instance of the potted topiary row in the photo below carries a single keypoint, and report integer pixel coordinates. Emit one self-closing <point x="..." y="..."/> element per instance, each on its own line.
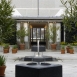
<point x="6" y="48"/>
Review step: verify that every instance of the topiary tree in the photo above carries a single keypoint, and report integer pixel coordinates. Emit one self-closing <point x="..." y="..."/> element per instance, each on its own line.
<point x="22" y="33"/>
<point x="7" y="28"/>
<point x="51" y="32"/>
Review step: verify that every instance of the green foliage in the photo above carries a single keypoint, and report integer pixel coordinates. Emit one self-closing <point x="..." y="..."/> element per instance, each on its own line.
<point x="72" y="35"/>
<point x="2" y="60"/>
<point x="71" y="47"/>
<point x="74" y="44"/>
<point x="62" y="47"/>
<point x="63" y="43"/>
<point x="6" y="21"/>
<point x="70" y="20"/>
<point x="6" y="46"/>
<point x="70" y="13"/>
<point x="51" y="32"/>
<point x="14" y="47"/>
<point x="68" y="45"/>
<point x="22" y="33"/>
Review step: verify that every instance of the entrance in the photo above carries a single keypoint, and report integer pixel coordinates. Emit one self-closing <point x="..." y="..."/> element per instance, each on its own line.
<point x="37" y="32"/>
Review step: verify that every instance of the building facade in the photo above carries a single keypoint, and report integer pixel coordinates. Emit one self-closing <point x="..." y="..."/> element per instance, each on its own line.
<point x="37" y="27"/>
<point x="37" y="15"/>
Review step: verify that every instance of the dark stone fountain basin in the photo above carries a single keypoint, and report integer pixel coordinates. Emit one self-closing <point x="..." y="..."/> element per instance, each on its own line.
<point x="38" y="70"/>
<point x="38" y="63"/>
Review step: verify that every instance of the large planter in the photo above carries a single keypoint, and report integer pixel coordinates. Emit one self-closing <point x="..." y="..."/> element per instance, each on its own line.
<point x="71" y="51"/>
<point x="53" y="46"/>
<point x="68" y="49"/>
<point x="22" y="46"/>
<point x="62" y="51"/>
<point x="6" y="50"/>
<point x="14" y="50"/>
<point x="2" y="70"/>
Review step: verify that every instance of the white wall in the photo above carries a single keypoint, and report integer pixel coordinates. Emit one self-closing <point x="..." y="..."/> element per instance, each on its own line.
<point x="34" y="3"/>
<point x="58" y="32"/>
<point x="26" y="28"/>
<point x="58" y="39"/>
<point x="30" y="7"/>
<point x="18" y="28"/>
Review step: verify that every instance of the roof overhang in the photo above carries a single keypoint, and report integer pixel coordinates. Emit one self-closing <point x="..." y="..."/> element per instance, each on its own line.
<point x="21" y="18"/>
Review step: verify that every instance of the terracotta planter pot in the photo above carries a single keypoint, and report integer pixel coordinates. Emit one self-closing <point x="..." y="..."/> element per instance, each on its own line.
<point x="14" y="50"/>
<point x="22" y="46"/>
<point x="68" y="49"/>
<point x="71" y="51"/>
<point x="2" y="70"/>
<point x="62" y="51"/>
<point x="53" y="46"/>
<point x="6" y="50"/>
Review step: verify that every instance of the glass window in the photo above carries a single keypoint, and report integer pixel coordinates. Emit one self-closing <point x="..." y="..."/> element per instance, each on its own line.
<point x="38" y="34"/>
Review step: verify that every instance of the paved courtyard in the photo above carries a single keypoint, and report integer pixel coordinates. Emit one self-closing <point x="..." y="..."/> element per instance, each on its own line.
<point x="68" y="61"/>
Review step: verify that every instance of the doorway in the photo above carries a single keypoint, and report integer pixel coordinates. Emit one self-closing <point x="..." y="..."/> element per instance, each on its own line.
<point x="37" y="32"/>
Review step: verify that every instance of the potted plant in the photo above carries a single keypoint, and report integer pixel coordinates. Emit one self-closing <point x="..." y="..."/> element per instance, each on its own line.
<point x="71" y="50"/>
<point x="6" y="48"/>
<point x="67" y="48"/>
<point x="21" y="34"/>
<point x="62" y="49"/>
<point x="14" y="49"/>
<point x="2" y="65"/>
<point x="51" y="34"/>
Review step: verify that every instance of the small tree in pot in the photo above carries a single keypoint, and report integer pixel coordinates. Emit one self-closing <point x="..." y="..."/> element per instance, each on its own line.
<point x="21" y="34"/>
<point x="14" y="49"/>
<point x="51" y="34"/>
<point x="71" y="50"/>
<point x="62" y="49"/>
<point x="6" y="48"/>
<point x="68" y="48"/>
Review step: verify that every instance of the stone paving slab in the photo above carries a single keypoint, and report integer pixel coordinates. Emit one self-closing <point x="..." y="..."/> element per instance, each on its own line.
<point x="68" y="61"/>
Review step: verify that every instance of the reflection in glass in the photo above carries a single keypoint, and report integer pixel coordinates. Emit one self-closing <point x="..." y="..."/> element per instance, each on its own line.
<point x="38" y="33"/>
<point x="42" y="33"/>
<point x="34" y="33"/>
<point x="31" y="33"/>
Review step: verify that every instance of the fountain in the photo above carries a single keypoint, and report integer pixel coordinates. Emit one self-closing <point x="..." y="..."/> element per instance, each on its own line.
<point x="38" y="69"/>
<point x="38" y="47"/>
<point x="39" y="57"/>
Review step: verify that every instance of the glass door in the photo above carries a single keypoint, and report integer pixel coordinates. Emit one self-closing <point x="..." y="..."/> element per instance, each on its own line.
<point x="37" y="34"/>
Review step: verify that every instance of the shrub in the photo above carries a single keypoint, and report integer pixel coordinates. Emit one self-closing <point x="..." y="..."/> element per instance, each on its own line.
<point x="14" y="47"/>
<point x="62" y="47"/>
<point x="2" y="60"/>
<point x="6" y="46"/>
